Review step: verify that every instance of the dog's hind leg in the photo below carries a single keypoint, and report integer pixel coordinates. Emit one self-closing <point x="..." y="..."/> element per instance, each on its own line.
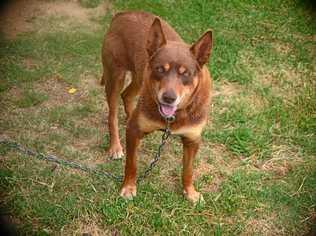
<point x="113" y="87"/>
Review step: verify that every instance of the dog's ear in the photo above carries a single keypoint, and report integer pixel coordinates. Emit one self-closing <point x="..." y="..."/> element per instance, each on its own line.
<point x="155" y="38"/>
<point x="201" y="49"/>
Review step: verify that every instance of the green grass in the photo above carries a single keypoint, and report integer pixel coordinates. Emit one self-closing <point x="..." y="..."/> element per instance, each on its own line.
<point x="256" y="168"/>
<point x="90" y="3"/>
<point x="30" y="98"/>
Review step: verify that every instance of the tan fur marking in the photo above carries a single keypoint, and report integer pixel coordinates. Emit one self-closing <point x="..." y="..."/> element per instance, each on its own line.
<point x="146" y="125"/>
<point x="166" y="66"/>
<point x="191" y="132"/>
<point x="182" y="69"/>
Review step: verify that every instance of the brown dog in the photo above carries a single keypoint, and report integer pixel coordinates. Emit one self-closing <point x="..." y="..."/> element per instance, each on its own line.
<point x="171" y="79"/>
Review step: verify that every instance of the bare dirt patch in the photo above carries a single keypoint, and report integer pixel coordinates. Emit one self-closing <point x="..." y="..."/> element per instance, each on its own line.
<point x="264" y="226"/>
<point x="282" y="161"/>
<point x="16" y="17"/>
<point x="217" y="164"/>
<point x="14" y="92"/>
<point x="30" y="64"/>
<point x="203" y="168"/>
<point x="21" y="16"/>
<point x="57" y="91"/>
<point x="282" y="48"/>
<point x="226" y="90"/>
<point x="85" y="226"/>
<point x="223" y="158"/>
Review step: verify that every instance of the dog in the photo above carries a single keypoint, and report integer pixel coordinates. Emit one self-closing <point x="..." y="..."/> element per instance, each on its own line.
<point x="171" y="79"/>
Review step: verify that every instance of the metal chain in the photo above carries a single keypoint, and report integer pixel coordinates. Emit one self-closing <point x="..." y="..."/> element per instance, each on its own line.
<point x="75" y="165"/>
<point x="52" y="158"/>
<point x="164" y="138"/>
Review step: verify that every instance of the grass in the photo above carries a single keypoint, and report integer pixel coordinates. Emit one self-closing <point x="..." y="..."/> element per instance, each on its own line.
<point x="256" y="168"/>
<point x="90" y="3"/>
<point x="30" y="98"/>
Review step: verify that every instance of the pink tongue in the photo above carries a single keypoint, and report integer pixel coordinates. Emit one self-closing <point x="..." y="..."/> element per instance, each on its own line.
<point x="168" y="110"/>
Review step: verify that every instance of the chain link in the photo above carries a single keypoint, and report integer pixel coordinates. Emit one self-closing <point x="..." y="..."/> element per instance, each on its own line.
<point x="75" y="165"/>
<point x="164" y="138"/>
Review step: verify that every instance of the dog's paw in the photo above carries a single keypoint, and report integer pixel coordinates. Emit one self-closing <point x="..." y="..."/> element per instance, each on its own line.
<point x="194" y="197"/>
<point x="128" y="192"/>
<point x="115" y="152"/>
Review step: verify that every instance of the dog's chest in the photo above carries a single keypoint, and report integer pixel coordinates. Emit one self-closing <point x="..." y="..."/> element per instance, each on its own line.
<point x="190" y="131"/>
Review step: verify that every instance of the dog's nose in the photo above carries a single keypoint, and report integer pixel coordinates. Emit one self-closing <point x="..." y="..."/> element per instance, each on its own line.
<point x="169" y="97"/>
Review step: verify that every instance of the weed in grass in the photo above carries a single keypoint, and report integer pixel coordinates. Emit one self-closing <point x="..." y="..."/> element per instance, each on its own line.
<point x="30" y="98"/>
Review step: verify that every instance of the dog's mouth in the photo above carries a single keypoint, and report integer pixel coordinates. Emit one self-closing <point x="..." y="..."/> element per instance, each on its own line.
<point x="167" y="110"/>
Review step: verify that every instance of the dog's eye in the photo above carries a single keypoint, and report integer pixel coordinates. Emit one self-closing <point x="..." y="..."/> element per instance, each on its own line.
<point x="186" y="74"/>
<point x="186" y="80"/>
<point x="160" y="69"/>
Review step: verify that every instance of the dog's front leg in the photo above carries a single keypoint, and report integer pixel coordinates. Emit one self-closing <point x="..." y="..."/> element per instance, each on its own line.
<point x="133" y="137"/>
<point x="190" y="148"/>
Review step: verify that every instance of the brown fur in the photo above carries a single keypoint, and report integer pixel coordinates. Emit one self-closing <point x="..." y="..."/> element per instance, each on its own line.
<point x="164" y="69"/>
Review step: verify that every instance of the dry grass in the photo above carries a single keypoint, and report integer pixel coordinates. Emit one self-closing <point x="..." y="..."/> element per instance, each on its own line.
<point x="36" y="12"/>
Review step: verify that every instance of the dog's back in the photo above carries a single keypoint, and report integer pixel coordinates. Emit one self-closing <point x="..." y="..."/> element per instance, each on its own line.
<point x="126" y="39"/>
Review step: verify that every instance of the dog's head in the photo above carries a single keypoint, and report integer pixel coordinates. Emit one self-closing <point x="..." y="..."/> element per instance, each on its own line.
<point x="175" y="68"/>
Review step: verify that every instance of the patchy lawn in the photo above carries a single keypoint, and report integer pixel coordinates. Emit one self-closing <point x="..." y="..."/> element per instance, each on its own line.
<point x="256" y="167"/>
